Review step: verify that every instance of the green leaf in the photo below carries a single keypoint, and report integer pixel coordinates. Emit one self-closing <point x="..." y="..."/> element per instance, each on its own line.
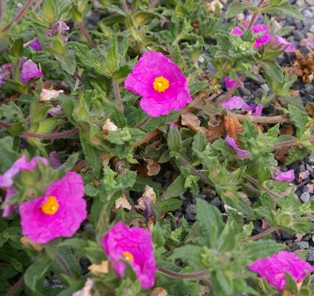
<point x="295" y="154"/>
<point x="176" y="188"/>
<point x="210" y="222"/>
<point x="83" y="54"/>
<point x="284" y="8"/>
<point x="127" y="180"/>
<point x="112" y="61"/>
<point x="272" y="69"/>
<point x="170" y="204"/>
<point x="92" y="155"/>
<point x="291" y="285"/>
<point x="7" y="154"/>
<point x="155" y="122"/>
<point x="190" y="254"/>
<point x="261" y="249"/>
<point x="35" y="274"/>
<point x="174" y="140"/>
<point x="67" y="62"/>
<point x="49" y="11"/>
<point x="66" y="263"/>
<point x="300" y="119"/>
<point x="235" y="8"/>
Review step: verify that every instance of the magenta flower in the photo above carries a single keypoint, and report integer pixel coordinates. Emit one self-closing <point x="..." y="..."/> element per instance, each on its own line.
<point x="35" y="44"/>
<point x="230" y="83"/>
<point x="5" y="73"/>
<point x="134" y="245"/>
<point x="260" y="28"/>
<point x="287" y="46"/>
<point x="240" y="152"/>
<point x="29" y="71"/>
<point x="7" y="179"/>
<point x="161" y="84"/>
<point x="58" y="213"/>
<point x="236" y="102"/>
<point x="273" y="268"/>
<point x="287" y="176"/>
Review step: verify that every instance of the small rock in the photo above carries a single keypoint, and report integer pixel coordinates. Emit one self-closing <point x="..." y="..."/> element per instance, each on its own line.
<point x="216" y="202"/>
<point x="310" y="257"/>
<point x="309" y="159"/>
<point x="265" y="87"/>
<point x="302" y="245"/>
<point x="307" y="13"/>
<point x="258" y="93"/>
<point x="298" y="35"/>
<point x="300" y="3"/>
<point x="309" y="89"/>
<point x="305" y="196"/>
<point x="312" y="29"/>
<point x="286" y="235"/>
<point x="310" y="2"/>
<point x="191" y="209"/>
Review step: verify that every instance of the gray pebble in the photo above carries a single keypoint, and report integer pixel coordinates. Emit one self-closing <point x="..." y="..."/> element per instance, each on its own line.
<point x="216" y="202"/>
<point x="286" y="235"/>
<point x="302" y="245"/>
<point x="309" y="89"/>
<point x="300" y="3"/>
<point x="298" y="35"/>
<point x="258" y="93"/>
<point x="310" y="257"/>
<point x="310" y="2"/>
<point x="191" y="209"/>
<point x="305" y="196"/>
<point x="307" y="13"/>
<point x="265" y="87"/>
<point x="309" y="159"/>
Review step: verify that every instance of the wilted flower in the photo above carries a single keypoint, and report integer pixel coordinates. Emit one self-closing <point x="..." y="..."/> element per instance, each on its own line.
<point x="230" y="83"/>
<point x="5" y="73"/>
<point x="87" y="289"/>
<point x="48" y="94"/>
<point x="60" y="27"/>
<point x="236" y="102"/>
<point x="29" y="70"/>
<point x="274" y="267"/>
<point x="287" y="46"/>
<point x="240" y="152"/>
<point x="260" y="28"/>
<point x="55" y="111"/>
<point x="161" y="84"/>
<point x="134" y="245"/>
<point x="7" y="179"/>
<point x="59" y="212"/>
<point x="35" y="44"/>
<point x="287" y="176"/>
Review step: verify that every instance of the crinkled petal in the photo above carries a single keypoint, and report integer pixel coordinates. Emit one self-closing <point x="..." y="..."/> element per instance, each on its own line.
<point x="274" y="267"/>
<point x="41" y="227"/>
<point x="140" y="81"/>
<point x="137" y="242"/>
<point x="261" y="40"/>
<point x="240" y="152"/>
<point x="9" y="208"/>
<point x="237" y="31"/>
<point x="29" y="71"/>
<point x="230" y="83"/>
<point x="287" y="176"/>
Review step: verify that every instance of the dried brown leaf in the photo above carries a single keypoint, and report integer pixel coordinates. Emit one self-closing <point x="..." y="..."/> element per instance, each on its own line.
<point x="26" y="241"/>
<point x="190" y="120"/>
<point x="159" y="291"/>
<point x="97" y="269"/>
<point x="153" y="167"/>
<point x="232" y="127"/>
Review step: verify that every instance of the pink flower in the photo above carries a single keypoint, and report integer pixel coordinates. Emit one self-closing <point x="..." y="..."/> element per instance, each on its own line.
<point x="59" y="212"/>
<point x="29" y="71"/>
<point x="240" y="152"/>
<point x="230" y="83"/>
<point x="161" y="84"/>
<point x="35" y="44"/>
<point x="236" y="102"/>
<point x="7" y="179"/>
<point x="287" y="46"/>
<point x="273" y="268"/>
<point x="134" y="245"/>
<point x="260" y="28"/>
<point x="287" y="176"/>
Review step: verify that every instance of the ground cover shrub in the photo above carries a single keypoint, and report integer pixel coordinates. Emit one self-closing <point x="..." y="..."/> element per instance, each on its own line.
<point x="92" y="118"/>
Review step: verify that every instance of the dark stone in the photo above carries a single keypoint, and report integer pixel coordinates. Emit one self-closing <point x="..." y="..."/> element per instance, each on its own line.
<point x="286" y="235"/>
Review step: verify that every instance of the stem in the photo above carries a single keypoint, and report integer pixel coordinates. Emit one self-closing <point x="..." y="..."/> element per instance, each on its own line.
<point x="117" y="94"/>
<point x="143" y="122"/>
<point x="231" y="91"/>
<point x="255" y="237"/>
<point x="153" y="4"/>
<point x="90" y="42"/>
<point x="147" y="137"/>
<point x="196" y="275"/>
<point x="125" y="7"/>
<point x="261" y="119"/>
<point x="42" y="136"/>
<point x="195" y="172"/>
<point x="17" y="285"/>
<point x="17" y="17"/>
<point x="291" y="142"/>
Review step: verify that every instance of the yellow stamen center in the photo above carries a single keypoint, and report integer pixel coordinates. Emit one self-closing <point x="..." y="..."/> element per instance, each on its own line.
<point x="51" y="206"/>
<point x="128" y="256"/>
<point x="253" y="43"/>
<point x="161" y="84"/>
